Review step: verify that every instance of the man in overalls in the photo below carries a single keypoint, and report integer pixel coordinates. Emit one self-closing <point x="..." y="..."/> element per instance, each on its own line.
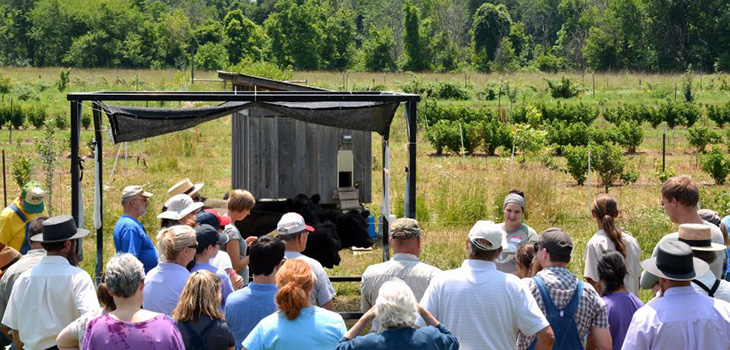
<point x="16" y="217"/>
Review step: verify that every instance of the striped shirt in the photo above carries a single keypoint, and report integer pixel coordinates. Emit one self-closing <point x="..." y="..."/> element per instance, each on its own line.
<point x="483" y="307"/>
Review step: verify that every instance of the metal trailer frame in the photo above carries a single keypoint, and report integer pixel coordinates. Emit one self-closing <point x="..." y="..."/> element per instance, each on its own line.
<point x="76" y="103"/>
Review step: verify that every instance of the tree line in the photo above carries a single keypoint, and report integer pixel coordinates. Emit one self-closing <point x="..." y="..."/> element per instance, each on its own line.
<point x="371" y="35"/>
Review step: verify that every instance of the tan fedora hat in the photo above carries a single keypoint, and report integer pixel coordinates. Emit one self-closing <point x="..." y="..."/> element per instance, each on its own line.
<point x="699" y="237"/>
<point x="185" y="187"/>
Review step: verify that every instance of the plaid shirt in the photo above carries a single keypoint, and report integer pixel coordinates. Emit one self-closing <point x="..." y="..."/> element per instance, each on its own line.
<point x="560" y="284"/>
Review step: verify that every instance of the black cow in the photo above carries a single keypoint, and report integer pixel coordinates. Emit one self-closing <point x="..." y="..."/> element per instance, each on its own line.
<point x="333" y="229"/>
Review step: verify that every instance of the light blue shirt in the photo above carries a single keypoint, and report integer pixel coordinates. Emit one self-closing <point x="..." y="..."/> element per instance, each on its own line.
<point x="226" y="286"/>
<point x="314" y="329"/>
<point x="163" y="286"/>
<point x="246" y="307"/>
<point x="681" y="319"/>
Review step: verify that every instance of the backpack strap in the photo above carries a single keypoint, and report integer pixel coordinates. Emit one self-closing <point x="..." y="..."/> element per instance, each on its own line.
<point x="710" y="291"/>
<point x="26" y="242"/>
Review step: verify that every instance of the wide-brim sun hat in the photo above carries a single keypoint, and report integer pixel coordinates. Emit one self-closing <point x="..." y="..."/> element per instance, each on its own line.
<point x="674" y="261"/>
<point x="699" y="237"/>
<point x="185" y="187"/>
<point x="179" y="206"/>
<point x="58" y="229"/>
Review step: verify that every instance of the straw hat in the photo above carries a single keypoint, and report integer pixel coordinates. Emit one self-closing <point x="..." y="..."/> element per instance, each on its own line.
<point x="698" y="237"/>
<point x="185" y="187"/>
<point x="179" y="206"/>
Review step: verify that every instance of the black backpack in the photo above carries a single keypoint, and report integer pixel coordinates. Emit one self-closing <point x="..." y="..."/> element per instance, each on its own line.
<point x="197" y="340"/>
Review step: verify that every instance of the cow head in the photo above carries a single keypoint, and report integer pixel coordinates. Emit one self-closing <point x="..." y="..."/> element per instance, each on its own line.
<point x="352" y="228"/>
<point x="323" y="245"/>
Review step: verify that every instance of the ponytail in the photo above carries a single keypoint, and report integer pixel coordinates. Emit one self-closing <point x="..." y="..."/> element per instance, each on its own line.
<point x="104" y="296"/>
<point x="606" y="209"/>
<point x="295" y="281"/>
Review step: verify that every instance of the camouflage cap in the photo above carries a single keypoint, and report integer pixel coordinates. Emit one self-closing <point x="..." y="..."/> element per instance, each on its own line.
<point x="404" y="228"/>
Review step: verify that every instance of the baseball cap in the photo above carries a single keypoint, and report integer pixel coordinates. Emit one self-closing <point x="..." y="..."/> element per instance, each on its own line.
<point x="490" y="232"/>
<point x="213" y="218"/>
<point x="404" y="228"/>
<point x="131" y="191"/>
<point x="291" y="223"/>
<point x="32" y="197"/>
<point x="557" y="242"/>
<point x="207" y="235"/>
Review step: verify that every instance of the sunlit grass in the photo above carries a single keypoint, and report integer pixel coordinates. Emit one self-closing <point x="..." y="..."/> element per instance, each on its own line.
<point x="453" y="192"/>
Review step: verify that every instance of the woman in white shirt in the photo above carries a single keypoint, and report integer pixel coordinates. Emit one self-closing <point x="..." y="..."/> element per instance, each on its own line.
<point x="609" y="237"/>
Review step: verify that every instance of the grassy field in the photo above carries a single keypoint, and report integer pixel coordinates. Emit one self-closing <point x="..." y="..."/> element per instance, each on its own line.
<point x="453" y="192"/>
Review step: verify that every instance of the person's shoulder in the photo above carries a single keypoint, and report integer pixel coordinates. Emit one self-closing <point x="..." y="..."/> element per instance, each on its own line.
<point x="375" y="269"/>
<point x="231" y="230"/>
<point x="312" y="262"/>
<point x="429" y="267"/>
<point x="324" y="313"/>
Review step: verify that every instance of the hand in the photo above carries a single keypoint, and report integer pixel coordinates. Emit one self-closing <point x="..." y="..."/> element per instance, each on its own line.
<point x="237" y="280"/>
<point x="427" y="316"/>
<point x="656" y="289"/>
<point x="250" y="240"/>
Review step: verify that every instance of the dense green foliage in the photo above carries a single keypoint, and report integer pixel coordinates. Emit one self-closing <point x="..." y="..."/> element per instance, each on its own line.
<point x="717" y="164"/>
<point x="409" y="35"/>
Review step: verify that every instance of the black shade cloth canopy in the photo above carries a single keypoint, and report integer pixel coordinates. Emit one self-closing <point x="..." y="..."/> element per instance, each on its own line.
<point x="130" y="123"/>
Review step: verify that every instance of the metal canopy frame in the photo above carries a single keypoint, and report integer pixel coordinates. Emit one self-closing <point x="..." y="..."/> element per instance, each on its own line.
<point x="76" y="101"/>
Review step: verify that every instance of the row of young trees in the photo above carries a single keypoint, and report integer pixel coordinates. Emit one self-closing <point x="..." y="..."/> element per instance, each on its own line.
<point x="412" y="35"/>
<point x="544" y="130"/>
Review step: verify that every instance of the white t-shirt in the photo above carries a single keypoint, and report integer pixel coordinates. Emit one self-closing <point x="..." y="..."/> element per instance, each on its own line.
<point x="483" y="307"/>
<point x="599" y="243"/>
<point x="221" y="261"/>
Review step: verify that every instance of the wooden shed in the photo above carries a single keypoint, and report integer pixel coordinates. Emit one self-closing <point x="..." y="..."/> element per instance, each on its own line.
<point x="274" y="156"/>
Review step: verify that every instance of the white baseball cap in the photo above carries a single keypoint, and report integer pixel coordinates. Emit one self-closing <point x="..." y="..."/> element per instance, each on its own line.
<point x="490" y="232"/>
<point x="291" y="223"/>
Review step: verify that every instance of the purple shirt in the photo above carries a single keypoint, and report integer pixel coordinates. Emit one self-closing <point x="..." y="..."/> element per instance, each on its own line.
<point x="157" y="333"/>
<point x="621" y="307"/>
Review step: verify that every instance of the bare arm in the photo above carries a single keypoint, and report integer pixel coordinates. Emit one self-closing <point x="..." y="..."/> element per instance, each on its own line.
<point x="234" y="252"/>
<point x="66" y="340"/>
<point x="360" y="325"/>
<point x="545" y="339"/>
<point x="330" y="305"/>
<point x="16" y="339"/>
<point x="600" y="338"/>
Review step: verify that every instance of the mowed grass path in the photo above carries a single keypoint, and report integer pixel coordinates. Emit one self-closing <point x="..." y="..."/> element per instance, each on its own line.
<point x="453" y="192"/>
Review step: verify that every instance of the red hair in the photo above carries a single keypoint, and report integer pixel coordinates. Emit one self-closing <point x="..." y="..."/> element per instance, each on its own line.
<point x="295" y="281"/>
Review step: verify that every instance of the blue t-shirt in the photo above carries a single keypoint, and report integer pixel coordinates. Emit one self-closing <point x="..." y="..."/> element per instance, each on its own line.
<point x="130" y="237"/>
<point x="226" y="286"/>
<point x="425" y="338"/>
<point x="246" y="307"/>
<point x="314" y="329"/>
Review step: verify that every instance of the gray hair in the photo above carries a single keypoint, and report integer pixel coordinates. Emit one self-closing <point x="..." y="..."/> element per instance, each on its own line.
<point x="396" y="306"/>
<point x="124" y="274"/>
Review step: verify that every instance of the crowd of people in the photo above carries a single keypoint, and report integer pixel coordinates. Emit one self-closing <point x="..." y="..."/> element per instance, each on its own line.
<point x="202" y="285"/>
